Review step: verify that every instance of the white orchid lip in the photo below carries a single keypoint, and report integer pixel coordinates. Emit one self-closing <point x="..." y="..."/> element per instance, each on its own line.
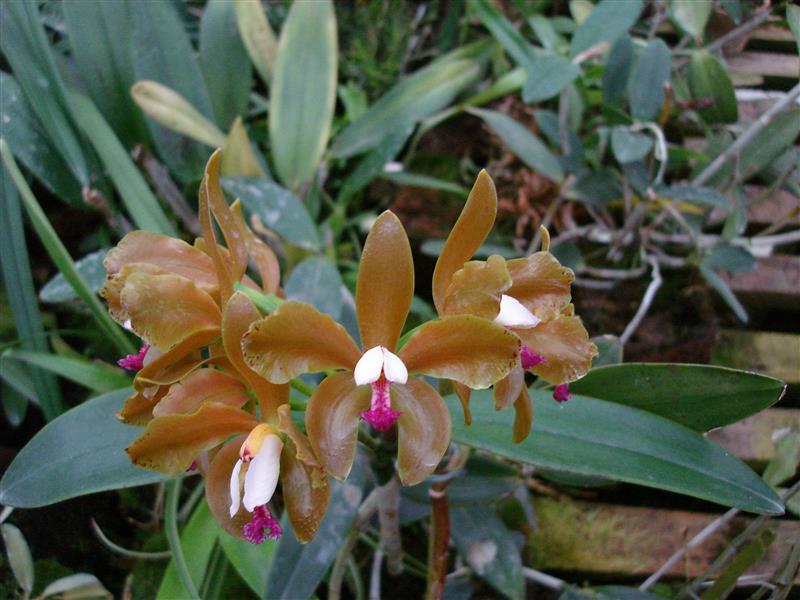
<point x="514" y="314"/>
<point x="261" y="475"/>
<point x="377" y="361"/>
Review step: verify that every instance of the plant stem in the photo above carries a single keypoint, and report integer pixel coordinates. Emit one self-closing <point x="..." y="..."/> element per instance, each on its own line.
<point x="174" y="540"/>
<point x="439" y="541"/>
<point x="389" y="519"/>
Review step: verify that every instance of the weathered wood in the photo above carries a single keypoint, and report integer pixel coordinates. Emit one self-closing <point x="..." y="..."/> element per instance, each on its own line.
<point x="634" y="542"/>
<point x="763" y="207"/>
<point x="774" y="283"/>
<point x="774" y="354"/>
<point x="767" y="64"/>
<point x="752" y="439"/>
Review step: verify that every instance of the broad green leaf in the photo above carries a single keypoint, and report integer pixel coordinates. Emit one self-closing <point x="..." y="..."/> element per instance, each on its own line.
<point x="417" y="96"/>
<point x="316" y="281"/>
<point x="18" y="380"/>
<point x="162" y="53"/>
<point x="793" y="19"/>
<point x="81" y="452"/>
<point x="224" y="62"/>
<point x="733" y="8"/>
<point x="197" y="540"/>
<point x="59" y="254"/>
<point x="733" y="259"/>
<point x="139" y="201"/>
<point x="548" y="74"/>
<point x="297" y="569"/>
<point x="594" y="437"/>
<point x="548" y="36"/>
<point x="90" y="267"/>
<point x="425" y="181"/>
<point x="251" y="561"/>
<point x="19" y="557"/>
<point x="701" y="196"/>
<point x="96" y="377"/>
<point x="769" y="143"/>
<point x="597" y="187"/>
<point x="691" y="15"/>
<point x="486" y="545"/>
<point x="618" y="70"/>
<point x="26" y="48"/>
<point x="100" y="37"/>
<point x="646" y="89"/>
<point x="257" y="35"/>
<point x="20" y="127"/>
<point x="303" y="92"/>
<point x="725" y="292"/>
<point x="609" y="350"/>
<point x="629" y="146"/>
<point x="708" y="79"/>
<point x="700" y="397"/>
<point x="276" y="207"/>
<point x="524" y="144"/>
<point x="503" y="31"/>
<point x="18" y="283"/>
<point x="609" y="20"/>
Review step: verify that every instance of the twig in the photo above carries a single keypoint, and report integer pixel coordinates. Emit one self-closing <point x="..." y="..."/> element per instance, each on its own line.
<point x="755" y="128"/>
<point x="614" y="273"/>
<point x="647" y="300"/>
<point x="124" y="551"/>
<point x="548" y="581"/>
<point x="784" y="583"/>
<point x="389" y="520"/>
<point x="593" y="284"/>
<point x="375" y="576"/>
<point x="739" y="31"/>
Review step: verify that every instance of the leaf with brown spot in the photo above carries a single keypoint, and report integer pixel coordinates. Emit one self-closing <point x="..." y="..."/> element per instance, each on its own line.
<point x="201" y="386"/>
<point x="170" y="443"/>
<point x="476" y="288"/>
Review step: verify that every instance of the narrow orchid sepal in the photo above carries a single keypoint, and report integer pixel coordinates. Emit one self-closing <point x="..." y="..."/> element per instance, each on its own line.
<point x="514" y="314"/>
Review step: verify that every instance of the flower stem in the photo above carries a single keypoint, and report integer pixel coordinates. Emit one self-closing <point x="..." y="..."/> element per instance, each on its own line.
<point x="174" y="540"/>
<point x="389" y="518"/>
<point x="438" y="541"/>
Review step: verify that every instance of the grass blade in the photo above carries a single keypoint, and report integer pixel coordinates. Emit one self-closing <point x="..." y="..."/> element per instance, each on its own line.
<point x="97" y="377"/>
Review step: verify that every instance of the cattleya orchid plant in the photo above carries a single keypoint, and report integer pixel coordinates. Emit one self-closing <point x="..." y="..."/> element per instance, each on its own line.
<point x="214" y="371"/>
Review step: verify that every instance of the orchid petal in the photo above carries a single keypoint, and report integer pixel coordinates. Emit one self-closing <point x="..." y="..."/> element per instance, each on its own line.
<point x="218" y="488"/>
<point x="513" y="314"/>
<point x="332" y="418"/>
<point x="423" y="430"/>
<point x="261" y="477"/>
<point x="523" y="416"/>
<point x="565" y="346"/>
<point x="305" y="494"/>
<point x="541" y="284"/>
<point x="183" y="358"/>
<point x="393" y="368"/>
<point x="235" y="489"/>
<point x="463" y="393"/>
<point x="467" y="235"/>
<point x="508" y="389"/>
<point x="369" y="367"/>
<point x="385" y="283"/>
<point x="467" y="349"/>
<point x="201" y="386"/>
<point x="262" y="255"/>
<point x="476" y="288"/>
<point x="297" y="339"/>
<point x="138" y="407"/>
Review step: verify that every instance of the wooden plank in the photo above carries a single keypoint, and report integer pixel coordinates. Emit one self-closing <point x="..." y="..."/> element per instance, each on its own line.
<point x="775" y="283"/>
<point x="774" y="354"/>
<point x="773" y="33"/>
<point x="769" y="64"/>
<point x="775" y="205"/>
<point x="634" y="542"/>
<point x="753" y="439"/>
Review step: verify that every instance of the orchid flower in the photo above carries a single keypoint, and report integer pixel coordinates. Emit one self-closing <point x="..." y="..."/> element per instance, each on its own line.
<point x="528" y="296"/>
<point x="374" y="382"/>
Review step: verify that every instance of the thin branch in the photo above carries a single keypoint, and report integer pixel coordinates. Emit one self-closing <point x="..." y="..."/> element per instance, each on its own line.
<point x="375" y="576"/>
<point x="755" y="128"/>
<point x="740" y="31"/>
<point x="548" y="581"/>
<point x="647" y="300"/>
<point x="116" y="548"/>
<point x="438" y="541"/>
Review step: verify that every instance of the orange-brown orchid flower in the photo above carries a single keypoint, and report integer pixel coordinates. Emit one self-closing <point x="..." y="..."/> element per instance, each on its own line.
<point x="528" y="296"/>
<point x="373" y="382"/>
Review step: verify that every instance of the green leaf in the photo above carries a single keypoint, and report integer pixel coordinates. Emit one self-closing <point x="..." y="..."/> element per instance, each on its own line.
<point x="316" y="281"/>
<point x="19" y="557"/>
<point x="548" y="74"/>
<point x="608" y="20"/>
<point x="224" y="62"/>
<point x="598" y="187"/>
<point x="258" y="37"/>
<point x="785" y="461"/>
<point x="609" y="350"/>
<point x="725" y="292"/>
<point x="91" y="269"/>
<point x="769" y="143"/>
<point x="793" y="19"/>
<point x="81" y="452"/>
<point x="100" y="37"/>
<point x="701" y="196"/>
<point x="26" y="48"/>
<point x="594" y="437"/>
<point x="251" y="561"/>
<point x="139" y="201"/>
<point x="162" y="52"/>
<point x="59" y="255"/>
<point x="629" y="146"/>
<point x="503" y="31"/>
<point x="15" y="404"/>
<point x="524" y="144"/>
<point x="20" y="127"/>
<point x="425" y="181"/>
<point x="414" y="98"/>
<point x="618" y="70"/>
<point x="691" y="15"/>
<point x="303" y="92"/>
<point x="733" y="259"/>
<point x="749" y="555"/>
<point x="278" y="208"/>
<point x="18" y="283"/>
<point x="485" y="543"/>
<point x="548" y="36"/>
<point x="197" y="540"/>
<point x="96" y="377"/>
<point x="700" y="397"/>
<point x="297" y="569"/>
<point x="708" y="79"/>
<point x="646" y="90"/>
